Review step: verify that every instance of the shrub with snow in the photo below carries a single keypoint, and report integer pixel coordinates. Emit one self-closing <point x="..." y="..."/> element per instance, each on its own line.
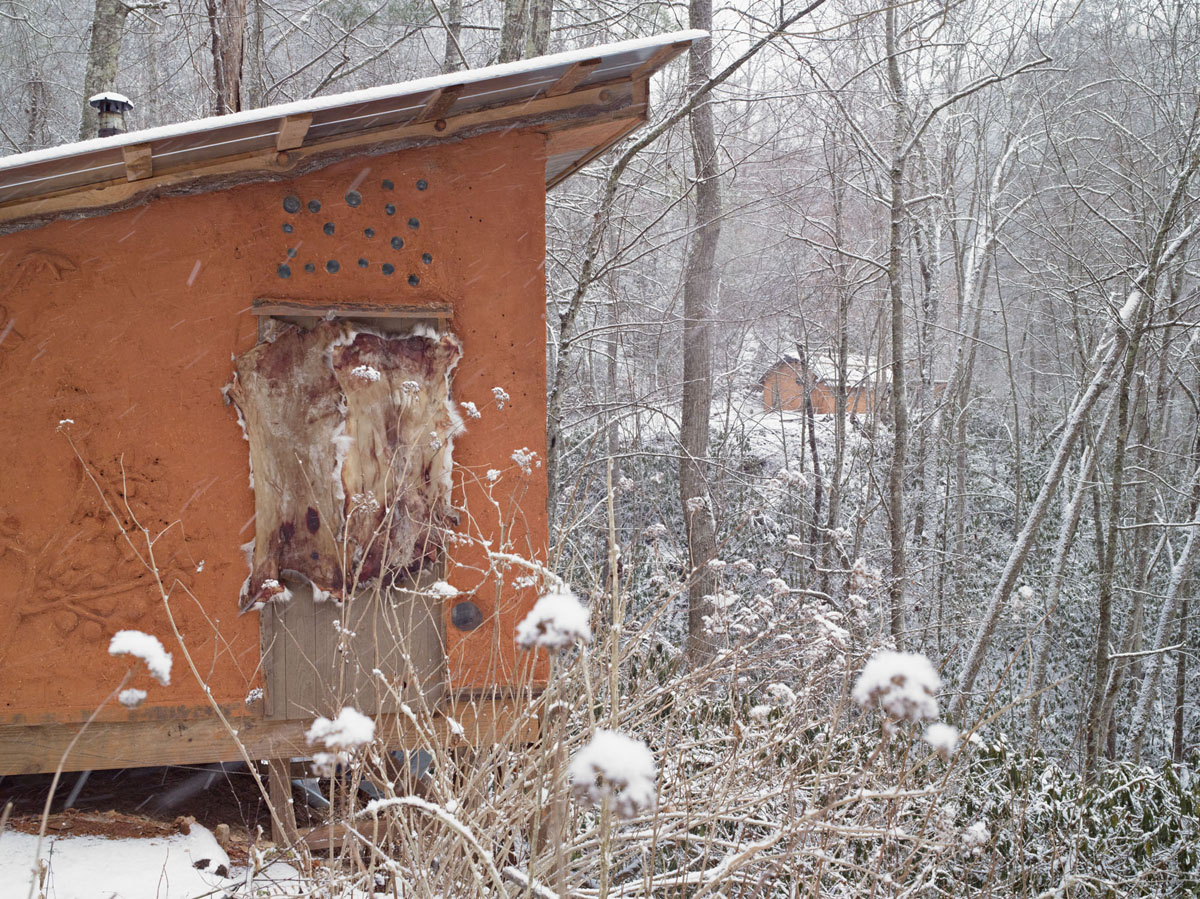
<point x="615" y="766"/>
<point x="556" y="621"/>
<point x="902" y="684"/>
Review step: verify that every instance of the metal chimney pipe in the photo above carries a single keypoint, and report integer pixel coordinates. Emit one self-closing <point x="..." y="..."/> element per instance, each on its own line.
<point x="111" y="108"/>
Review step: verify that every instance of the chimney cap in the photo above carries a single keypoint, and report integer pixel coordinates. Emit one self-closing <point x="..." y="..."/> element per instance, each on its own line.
<point x="111" y="100"/>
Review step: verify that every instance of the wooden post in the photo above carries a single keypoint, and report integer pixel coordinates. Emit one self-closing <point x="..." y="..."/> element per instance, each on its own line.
<point x="279" y="788"/>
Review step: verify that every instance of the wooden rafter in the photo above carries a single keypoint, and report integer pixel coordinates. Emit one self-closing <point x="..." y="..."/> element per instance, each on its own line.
<point x="438" y="103"/>
<point x="572" y="77"/>
<point x="660" y="58"/>
<point x="292" y="131"/>
<point x="139" y="162"/>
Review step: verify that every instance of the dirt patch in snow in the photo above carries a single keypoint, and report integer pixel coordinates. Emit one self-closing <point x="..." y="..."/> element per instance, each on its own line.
<point x="114" y="825"/>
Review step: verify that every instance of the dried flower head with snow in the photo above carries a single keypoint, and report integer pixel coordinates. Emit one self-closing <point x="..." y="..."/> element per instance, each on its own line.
<point x="556" y="621"/>
<point x="525" y="459"/>
<point x="350" y="730"/>
<point x="131" y="698"/>
<point x="147" y="648"/>
<point x="616" y="767"/>
<point x="501" y="396"/>
<point x="976" y="837"/>
<point x="655" y="531"/>
<point x="902" y="684"/>
<point x="781" y="694"/>
<point x="942" y="739"/>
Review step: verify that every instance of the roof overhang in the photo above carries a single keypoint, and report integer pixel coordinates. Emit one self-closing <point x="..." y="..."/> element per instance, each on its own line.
<point x="584" y="100"/>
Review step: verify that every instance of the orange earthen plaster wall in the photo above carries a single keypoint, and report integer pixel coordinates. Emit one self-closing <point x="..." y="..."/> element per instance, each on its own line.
<point x="126" y="324"/>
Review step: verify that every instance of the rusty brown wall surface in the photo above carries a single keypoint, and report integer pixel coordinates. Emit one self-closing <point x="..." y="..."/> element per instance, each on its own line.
<point x="127" y="324"/>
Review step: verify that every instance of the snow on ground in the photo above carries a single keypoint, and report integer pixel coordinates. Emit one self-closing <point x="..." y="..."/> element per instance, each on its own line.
<point x="93" y="867"/>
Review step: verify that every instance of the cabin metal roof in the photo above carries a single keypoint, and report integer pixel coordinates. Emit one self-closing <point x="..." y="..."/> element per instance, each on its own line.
<point x="584" y="100"/>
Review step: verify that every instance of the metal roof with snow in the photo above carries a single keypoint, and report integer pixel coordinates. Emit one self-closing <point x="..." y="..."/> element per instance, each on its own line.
<point x="584" y="100"/>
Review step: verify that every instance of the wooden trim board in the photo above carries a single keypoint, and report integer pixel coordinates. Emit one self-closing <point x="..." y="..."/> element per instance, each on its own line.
<point x="38" y="748"/>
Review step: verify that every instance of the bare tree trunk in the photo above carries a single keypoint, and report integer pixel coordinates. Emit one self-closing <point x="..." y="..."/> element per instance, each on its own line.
<point x="227" y="24"/>
<point x="1166" y="617"/>
<point x="256" y="87"/>
<point x="1094" y="735"/>
<point x="899" y="399"/>
<point x="537" y="42"/>
<point x="512" y="30"/>
<point x="1180" y="682"/>
<point x="699" y="278"/>
<point x="1058" y="567"/>
<point x="453" y="58"/>
<point x="842" y="332"/>
<point x="104" y="56"/>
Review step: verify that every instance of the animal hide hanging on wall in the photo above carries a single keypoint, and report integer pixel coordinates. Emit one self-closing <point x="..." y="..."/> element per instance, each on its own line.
<point x="351" y="437"/>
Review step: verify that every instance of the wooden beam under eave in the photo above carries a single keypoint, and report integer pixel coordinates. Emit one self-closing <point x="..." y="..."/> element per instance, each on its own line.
<point x="292" y="131"/>
<point x="572" y="77"/>
<point x="139" y="161"/>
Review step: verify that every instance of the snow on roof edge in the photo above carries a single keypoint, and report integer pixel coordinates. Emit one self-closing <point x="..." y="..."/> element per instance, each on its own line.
<point x="332" y="101"/>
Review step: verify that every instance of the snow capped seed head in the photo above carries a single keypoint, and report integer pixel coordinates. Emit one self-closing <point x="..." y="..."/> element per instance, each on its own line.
<point x="147" y="648"/>
<point x="501" y="396"/>
<point x="656" y="531"/>
<point x="716" y="565"/>
<point x="350" y="730"/>
<point x="942" y="739"/>
<point x="365" y="373"/>
<point x="760" y="713"/>
<point x="525" y="459"/>
<point x="782" y="694"/>
<point x="902" y="684"/>
<point x="1026" y="593"/>
<point x="556" y="621"/>
<point x="975" y="837"/>
<point x="131" y="698"/>
<point x="616" y="767"/>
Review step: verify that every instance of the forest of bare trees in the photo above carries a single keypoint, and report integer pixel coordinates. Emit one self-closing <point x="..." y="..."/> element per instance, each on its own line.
<point x="979" y="214"/>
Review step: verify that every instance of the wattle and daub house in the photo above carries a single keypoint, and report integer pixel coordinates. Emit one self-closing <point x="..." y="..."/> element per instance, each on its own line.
<point x="307" y="343"/>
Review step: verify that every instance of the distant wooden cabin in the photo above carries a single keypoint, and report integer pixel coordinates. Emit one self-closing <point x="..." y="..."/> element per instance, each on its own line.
<point x="867" y="382"/>
<point x="338" y="262"/>
<point x="786" y="383"/>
